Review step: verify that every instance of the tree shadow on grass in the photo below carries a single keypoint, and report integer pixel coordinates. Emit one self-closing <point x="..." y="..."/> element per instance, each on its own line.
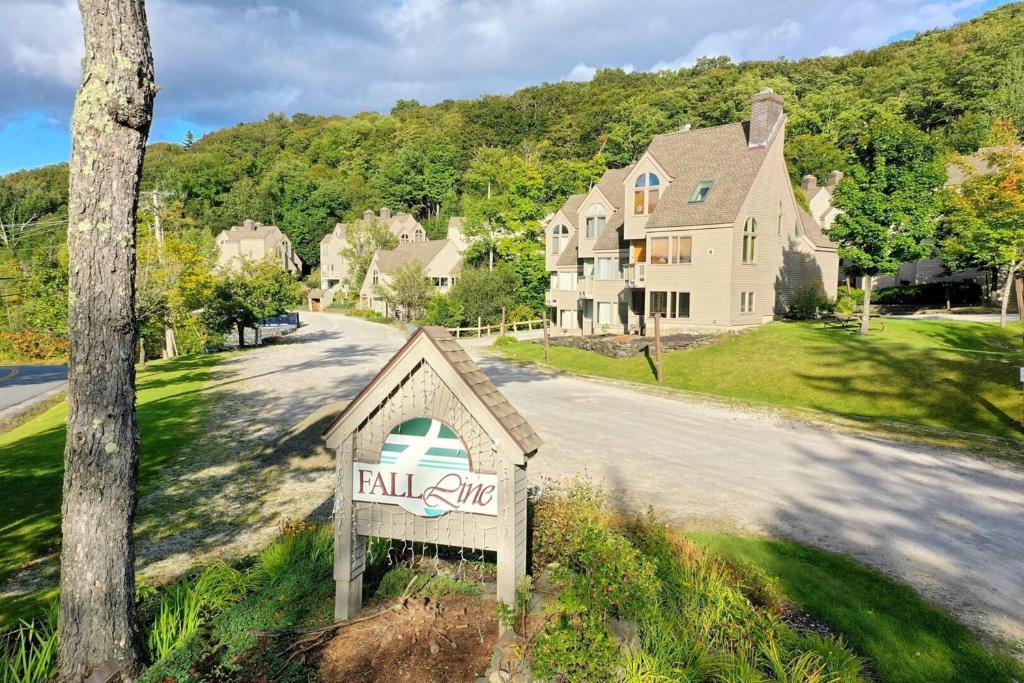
<point x="872" y="377"/>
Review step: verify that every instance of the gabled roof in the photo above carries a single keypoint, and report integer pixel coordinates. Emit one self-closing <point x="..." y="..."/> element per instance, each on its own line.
<point x="389" y="260"/>
<point x="251" y="230"/>
<point x="340" y="231"/>
<point x="814" y="231"/>
<point x="977" y="164"/>
<point x="719" y="154"/>
<point x="570" y="253"/>
<point x="493" y="410"/>
<point x="571" y="208"/>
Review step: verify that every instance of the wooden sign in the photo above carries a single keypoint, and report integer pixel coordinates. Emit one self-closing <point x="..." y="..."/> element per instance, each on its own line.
<point x="430" y="452"/>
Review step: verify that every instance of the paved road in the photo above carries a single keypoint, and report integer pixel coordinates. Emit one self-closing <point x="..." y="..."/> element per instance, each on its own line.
<point x="21" y="383"/>
<point x="950" y="526"/>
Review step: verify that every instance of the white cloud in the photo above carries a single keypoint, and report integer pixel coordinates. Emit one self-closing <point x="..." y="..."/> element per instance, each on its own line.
<point x="581" y="72"/>
<point x="224" y="61"/>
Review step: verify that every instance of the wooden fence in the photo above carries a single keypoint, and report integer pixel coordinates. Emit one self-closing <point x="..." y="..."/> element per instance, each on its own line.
<point x="501" y="328"/>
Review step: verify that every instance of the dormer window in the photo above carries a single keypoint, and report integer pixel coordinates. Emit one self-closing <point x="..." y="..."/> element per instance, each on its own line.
<point x="596" y="220"/>
<point x="700" y="193"/>
<point x="419" y="235"/>
<point x="645" y="194"/>
<point x="404" y="239"/>
<point x="559" y="238"/>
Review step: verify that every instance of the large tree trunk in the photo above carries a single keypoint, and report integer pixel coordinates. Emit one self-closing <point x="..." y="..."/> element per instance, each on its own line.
<point x="1004" y="301"/>
<point x="865" y="314"/>
<point x="113" y="111"/>
<point x="241" y="335"/>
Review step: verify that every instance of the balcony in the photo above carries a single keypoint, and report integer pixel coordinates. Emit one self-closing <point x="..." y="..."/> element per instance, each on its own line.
<point x="635" y="273"/>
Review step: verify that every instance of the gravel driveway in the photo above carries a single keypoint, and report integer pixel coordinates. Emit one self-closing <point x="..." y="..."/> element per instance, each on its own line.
<point x="951" y="526"/>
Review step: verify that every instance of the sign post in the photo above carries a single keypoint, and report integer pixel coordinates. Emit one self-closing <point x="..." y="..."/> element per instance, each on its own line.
<point x="546" y="342"/>
<point x="430" y="452"/>
<point x="657" y="345"/>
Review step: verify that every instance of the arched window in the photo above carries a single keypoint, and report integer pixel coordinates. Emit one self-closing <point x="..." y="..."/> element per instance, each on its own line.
<point x="750" y="240"/>
<point x="559" y="238"/>
<point x="596" y="220"/>
<point x="645" y="194"/>
<point x="419" y="235"/>
<point x="404" y="238"/>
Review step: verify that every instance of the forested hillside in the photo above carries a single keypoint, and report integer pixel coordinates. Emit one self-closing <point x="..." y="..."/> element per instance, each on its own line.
<point x="527" y="151"/>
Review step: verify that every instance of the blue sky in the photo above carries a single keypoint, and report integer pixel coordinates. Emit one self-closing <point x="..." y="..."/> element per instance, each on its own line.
<point x="220" y="62"/>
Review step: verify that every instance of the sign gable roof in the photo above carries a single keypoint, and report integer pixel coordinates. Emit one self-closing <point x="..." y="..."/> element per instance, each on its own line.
<point x="466" y="380"/>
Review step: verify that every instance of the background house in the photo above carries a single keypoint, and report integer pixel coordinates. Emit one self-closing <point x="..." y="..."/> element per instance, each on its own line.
<point x="441" y="259"/>
<point x="334" y="270"/>
<point x="254" y="241"/>
<point x="704" y="229"/>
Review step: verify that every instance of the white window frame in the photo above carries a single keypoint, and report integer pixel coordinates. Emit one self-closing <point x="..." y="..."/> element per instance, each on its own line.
<point x="596" y="220"/>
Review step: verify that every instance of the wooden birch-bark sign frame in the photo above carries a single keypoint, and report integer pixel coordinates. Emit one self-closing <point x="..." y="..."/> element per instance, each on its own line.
<point x="429" y="452"/>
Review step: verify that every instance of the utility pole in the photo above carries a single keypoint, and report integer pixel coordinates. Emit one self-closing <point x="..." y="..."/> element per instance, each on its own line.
<point x="170" y="343"/>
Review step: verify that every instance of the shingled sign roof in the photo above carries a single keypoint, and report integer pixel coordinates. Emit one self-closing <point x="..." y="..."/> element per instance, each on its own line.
<point x="450" y="352"/>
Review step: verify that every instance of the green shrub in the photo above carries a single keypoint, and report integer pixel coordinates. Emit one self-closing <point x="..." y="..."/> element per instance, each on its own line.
<point x="698" y="617"/>
<point x="403" y="580"/>
<point x="505" y="340"/>
<point x="521" y="313"/>
<point x="931" y="295"/>
<point x="442" y="311"/>
<point x="33" y="345"/>
<point x="28" y="652"/>
<point x="578" y="648"/>
<point x="289" y="583"/>
<point x="367" y="314"/>
<point x="808" y="302"/>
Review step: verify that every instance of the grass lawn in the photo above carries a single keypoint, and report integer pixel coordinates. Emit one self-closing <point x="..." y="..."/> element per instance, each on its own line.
<point x="905" y="638"/>
<point x="948" y="375"/>
<point x="31" y="462"/>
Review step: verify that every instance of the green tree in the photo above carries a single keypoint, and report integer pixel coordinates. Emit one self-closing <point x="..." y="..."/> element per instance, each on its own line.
<point x="364" y="239"/>
<point x="888" y="199"/>
<point x="983" y="220"/>
<point x="408" y="291"/>
<point x="243" y="297"/>
<point x="483" y="293"/>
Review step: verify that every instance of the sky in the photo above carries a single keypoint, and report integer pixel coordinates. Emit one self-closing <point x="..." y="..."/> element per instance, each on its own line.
<point x="221" y="62"/>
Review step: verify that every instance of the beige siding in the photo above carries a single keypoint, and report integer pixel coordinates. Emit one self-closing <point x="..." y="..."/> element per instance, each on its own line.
<point x="333" y="266"/>
<point x="595" y="196"/>
<point x="634" y="226"/>
<point x="551" y="258"/>
<point x="706" y="278"/>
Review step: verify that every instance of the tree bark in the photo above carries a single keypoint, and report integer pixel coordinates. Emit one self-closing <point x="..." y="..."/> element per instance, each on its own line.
<point x="241" y="335"/>
<point x="865" y="314"/>
<point x="1004" y="302"/>
<point x="113" y="111"/>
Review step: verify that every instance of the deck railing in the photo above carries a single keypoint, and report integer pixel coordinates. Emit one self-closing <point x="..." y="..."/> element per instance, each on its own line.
<point x="487" y="330"/>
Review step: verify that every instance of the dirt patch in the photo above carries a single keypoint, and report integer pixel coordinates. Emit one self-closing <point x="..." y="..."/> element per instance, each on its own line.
<point x="418" y="640"/>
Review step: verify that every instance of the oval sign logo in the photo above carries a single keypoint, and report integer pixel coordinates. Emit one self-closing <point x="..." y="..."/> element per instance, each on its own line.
<point x="424" y="469"/>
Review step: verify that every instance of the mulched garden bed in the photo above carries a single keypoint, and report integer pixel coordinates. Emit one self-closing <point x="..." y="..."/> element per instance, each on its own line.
<point x="418" y="639"/>
<point x="625" y="346"/>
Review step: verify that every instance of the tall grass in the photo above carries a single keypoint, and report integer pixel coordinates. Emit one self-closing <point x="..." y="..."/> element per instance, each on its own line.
<point x="698" y="618"/>
<point x="28" y="653"/>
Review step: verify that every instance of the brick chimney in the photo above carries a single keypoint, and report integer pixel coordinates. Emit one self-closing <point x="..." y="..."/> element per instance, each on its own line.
<point x="765" y="115"/>
<point x="808" y="182"/>
<point x="385" y="213"/>
<point x="833" y="179"/>
<point x="368" y="215"/>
